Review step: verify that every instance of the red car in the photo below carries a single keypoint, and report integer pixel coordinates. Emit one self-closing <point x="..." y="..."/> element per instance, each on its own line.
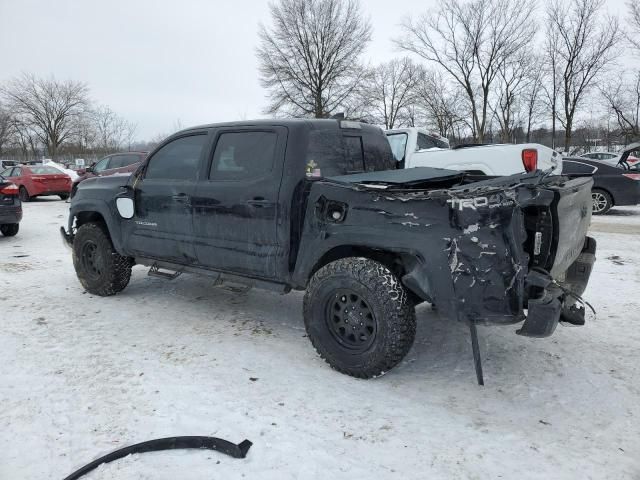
<point x="36" y="180"/>
<point x="110" y="165"/>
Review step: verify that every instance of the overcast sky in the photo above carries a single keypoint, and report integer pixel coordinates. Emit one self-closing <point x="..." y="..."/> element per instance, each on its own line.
<point x="155" y="62"/>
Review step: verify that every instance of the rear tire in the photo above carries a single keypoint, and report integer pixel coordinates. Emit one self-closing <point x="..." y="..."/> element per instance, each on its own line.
<point x="10" y="229"/>
<point x="100" y="269"/>
<point x="359" y="317"/>
<point x="64" y="196"/>
<point x="24" y="195"/>
<point x="602" y="201"/>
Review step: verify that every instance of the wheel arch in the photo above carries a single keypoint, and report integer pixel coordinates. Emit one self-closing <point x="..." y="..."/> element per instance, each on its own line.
<point x="396" y="261"/>
<point x="607" y="191"/>
<point x="89" y="216"/>
<point x="92" y="212"/>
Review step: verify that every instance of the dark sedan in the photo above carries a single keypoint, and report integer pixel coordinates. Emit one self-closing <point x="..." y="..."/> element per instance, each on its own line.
<point x="612" y="186"/>
<point x="10" y="208"/>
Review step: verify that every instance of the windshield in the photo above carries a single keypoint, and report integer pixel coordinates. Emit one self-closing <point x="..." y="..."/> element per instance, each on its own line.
<point x="398" y="142"/>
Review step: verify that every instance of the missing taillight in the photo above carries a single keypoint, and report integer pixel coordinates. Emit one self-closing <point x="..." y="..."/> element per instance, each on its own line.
<point x="530" y="159"/>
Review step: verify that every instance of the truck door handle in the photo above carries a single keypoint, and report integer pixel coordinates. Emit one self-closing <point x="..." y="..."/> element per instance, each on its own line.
<point x="259" y="202"/>
<point x="181" y="198"/>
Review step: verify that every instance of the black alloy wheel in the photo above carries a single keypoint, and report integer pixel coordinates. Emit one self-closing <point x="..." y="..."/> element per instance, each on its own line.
<point x="350" y="320"/>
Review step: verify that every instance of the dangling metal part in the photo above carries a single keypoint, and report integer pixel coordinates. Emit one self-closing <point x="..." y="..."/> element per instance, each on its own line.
<point x="477" y="361"/>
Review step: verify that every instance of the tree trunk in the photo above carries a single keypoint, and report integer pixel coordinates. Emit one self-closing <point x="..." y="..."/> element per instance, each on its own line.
<point x="553" y="126"/>
<point x="568" y="134"/>
<point x="319" y="113"/>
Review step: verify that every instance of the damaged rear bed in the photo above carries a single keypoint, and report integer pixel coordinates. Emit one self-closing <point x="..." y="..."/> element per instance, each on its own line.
<point x="497" y="251"/>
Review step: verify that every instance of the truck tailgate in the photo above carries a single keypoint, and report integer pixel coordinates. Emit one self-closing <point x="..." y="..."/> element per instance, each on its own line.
<point x="572" y="216"/>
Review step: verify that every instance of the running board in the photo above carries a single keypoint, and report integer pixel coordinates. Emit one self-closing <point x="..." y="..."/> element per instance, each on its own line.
<point x="155" y="271"/>
<point x="233" y="282"/>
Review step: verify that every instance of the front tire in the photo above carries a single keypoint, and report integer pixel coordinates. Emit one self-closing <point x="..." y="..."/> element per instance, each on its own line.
<point x="602" y="201"/>
<point x="100" y="269"/>
<point x="10" y="229"/>
<point x="359" y="317"/>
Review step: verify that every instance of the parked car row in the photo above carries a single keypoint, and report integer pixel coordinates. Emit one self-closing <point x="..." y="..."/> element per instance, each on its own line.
<point x="54" y="179"/>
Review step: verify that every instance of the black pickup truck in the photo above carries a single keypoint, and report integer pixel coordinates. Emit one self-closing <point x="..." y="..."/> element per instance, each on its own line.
<point x="318" y="205"/>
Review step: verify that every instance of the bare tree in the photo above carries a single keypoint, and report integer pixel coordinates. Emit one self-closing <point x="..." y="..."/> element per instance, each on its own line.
<point x="309" y="56"/>
<point x="129" y="133"/>
<point x="112" y="131"/>
<point x="5" y="128"/>
<point x="439" y="105"/>
<point x="623" y="99"/>
<point x="531" y="97"/>
<point x="390" y="90"/>
<point x="584" y="42"/>
<point x="633" y="33"/>
<point x="552" y="75"/>
<point x="512" y="79"/>
<point x="25" y="137"/>
<point x="470" y="40"/>
<point x="50" y="107"/>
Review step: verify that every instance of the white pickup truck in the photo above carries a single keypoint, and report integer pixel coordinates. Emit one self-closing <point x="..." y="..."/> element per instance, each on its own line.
<point x="415" y="147"/>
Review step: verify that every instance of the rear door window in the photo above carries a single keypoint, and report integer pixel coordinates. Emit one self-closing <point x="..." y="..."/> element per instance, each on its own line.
<point x="570" y="167"/>
<point x="243" y="155"/>
<point x="178" y="159"/>
<point x="330" y="154"/>
<point x="120" y="161"/>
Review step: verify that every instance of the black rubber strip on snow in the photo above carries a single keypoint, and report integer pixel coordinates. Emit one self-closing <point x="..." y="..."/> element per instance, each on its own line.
<point x="169" y="443"/>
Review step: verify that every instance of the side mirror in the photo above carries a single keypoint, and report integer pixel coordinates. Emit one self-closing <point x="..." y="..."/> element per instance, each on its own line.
<point x="125" y="206"/>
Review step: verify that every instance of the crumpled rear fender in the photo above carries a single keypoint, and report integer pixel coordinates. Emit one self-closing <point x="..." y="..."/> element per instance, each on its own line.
<point x="466" y="246"/>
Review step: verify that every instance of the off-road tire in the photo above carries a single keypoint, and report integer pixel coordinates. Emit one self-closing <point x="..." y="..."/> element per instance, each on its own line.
<point x="605" y="202"/>
<point x="387" y="300"/>
<point x="24" y="195"/>
<point x="64" y="196"/>
<point x="114" y="270"/>
<point x="10" y="229"/>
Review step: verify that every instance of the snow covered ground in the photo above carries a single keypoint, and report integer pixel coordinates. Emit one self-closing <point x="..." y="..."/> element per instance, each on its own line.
<point x="83" y="375"/>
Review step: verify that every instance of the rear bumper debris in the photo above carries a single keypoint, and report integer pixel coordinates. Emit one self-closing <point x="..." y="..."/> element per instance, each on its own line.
<point x="554" y="304"/>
